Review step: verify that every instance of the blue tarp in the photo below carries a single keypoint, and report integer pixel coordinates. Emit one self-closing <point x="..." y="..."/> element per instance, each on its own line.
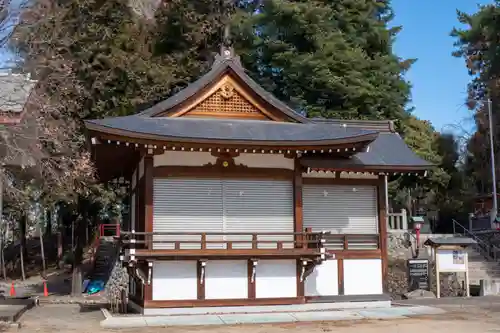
<point x="94" y="287"/>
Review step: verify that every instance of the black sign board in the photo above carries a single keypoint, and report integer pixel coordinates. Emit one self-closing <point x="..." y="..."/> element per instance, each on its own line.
<point x="418" y="274"/>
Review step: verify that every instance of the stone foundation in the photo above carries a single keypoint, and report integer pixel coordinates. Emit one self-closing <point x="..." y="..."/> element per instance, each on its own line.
<point x="397" y="280"/>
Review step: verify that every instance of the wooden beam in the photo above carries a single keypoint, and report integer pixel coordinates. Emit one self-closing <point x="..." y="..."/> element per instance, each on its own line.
<point x="342" y="181"/>
<point x="219" y="171"/>
<point x="224" y="302"/>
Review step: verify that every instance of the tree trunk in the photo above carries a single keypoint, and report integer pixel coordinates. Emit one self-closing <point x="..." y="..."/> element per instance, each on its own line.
<point x="80" y="236"/>
<point x="21" y="253"/>
<point x="76" y="280"/>
<point x="3" y="242"/>
<point x="42" y="250"/>
<point x="22" y="242"/>
<point x="22" y="228"/>
<point x="48" y="230"/>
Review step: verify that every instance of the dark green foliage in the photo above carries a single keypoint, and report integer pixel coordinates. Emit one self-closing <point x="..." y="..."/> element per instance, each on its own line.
<point x="478" y="45"/>
<point x="326" y="58"/>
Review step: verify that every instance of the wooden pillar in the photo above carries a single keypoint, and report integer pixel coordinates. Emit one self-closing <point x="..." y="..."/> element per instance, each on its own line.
<point x="148" y="283"/>
<point x="148" y="198"/>
<point x="200" y="272"/>
<point x="340" y="275"/>
<point x="251" y="264"/>
<point x="382" y="219"/>
<point x="298" y="216"/>
<point x="297" y="195"/>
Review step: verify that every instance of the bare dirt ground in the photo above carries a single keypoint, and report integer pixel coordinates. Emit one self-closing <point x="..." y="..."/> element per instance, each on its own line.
<point x="460" y="319"/>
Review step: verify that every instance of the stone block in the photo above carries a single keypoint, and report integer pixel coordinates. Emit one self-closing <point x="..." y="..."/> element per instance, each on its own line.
<point x="489" y="287"/>
<point x="419" y="293"/>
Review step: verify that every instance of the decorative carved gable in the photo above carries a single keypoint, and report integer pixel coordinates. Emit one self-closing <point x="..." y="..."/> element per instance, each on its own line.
<point x="226" y="99"/>
<point x="226" y="102"/>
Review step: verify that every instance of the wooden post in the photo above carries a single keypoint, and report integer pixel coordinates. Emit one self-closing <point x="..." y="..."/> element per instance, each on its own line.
<point x="382" y="224"/>
<point x="438" y="282"/>
<point x="467" y="287"/>
<point x="297" y="198"/>
<point x="148" y="198"/>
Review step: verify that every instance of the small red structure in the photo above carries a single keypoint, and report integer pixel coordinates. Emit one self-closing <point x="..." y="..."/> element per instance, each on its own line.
<point x="12" y="290"/>
<point x="45" y="290"/>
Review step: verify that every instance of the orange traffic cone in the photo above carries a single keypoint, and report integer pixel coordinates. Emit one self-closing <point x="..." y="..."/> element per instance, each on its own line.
<point x="12" y="290"/>
<point x="45" y="291"/>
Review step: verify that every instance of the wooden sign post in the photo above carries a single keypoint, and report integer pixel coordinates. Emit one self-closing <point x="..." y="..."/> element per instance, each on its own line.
<point x="450" y="256"/>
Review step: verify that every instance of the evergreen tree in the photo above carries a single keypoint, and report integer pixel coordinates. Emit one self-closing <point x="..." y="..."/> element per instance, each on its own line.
<point x="327" y="58"/>
<point x="478" y="45"/>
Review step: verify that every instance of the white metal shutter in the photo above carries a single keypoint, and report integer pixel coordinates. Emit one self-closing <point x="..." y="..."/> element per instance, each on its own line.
<point x="254" y="206"/>
<point x="340" y="209"/>
<point x="187" y="205"/>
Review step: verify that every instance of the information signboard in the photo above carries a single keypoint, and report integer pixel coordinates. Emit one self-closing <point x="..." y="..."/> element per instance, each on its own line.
<point x="418" y="274"/>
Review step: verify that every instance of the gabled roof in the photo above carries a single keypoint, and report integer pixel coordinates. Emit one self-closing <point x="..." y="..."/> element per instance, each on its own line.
<point x="223" y="64"/>
<point x="387" y="151"/>
<point x="351" y="144"/>
<point x="202" y="130"/>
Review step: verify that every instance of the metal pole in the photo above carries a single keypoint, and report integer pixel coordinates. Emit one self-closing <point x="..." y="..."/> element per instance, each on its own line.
<point x="493" y="169"/>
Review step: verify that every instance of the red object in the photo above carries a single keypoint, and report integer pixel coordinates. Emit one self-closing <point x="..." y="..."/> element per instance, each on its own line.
<point x="12" y="290"/>
<point x="418" y="237"/>
<point x="113" y="228"/>
<point x="45" y="290"/>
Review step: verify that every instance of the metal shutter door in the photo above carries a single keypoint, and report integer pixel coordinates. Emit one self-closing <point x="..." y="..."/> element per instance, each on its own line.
<point x="255" y="206"/>
<point x="340" y="209"/>
<point x="187" y="205"/>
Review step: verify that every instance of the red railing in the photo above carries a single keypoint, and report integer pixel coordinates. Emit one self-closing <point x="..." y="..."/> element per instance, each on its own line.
<point x="109" y="230"/>
<point x="224" y="240"/>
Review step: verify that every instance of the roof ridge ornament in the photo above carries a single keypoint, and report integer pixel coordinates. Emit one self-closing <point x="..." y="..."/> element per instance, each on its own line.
<point x="226" y="52"/>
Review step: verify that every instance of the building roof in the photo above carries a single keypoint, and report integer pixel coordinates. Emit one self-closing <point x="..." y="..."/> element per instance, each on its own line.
<point x="14" y="92"/>
<point x="388" y="150"/>
<point x="443" y="241"/>
<point x="222" y="65"/>
<point x="351" y="144"/>
<point x="17" y="147"/>
<point x="232" y="130"/>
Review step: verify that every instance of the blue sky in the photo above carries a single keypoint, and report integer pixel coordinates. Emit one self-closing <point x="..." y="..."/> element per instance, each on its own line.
<point x="439" y="80"/>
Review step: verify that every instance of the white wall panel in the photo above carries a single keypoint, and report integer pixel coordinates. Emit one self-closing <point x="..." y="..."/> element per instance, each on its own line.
<point x="323" y="281"/>
<point x="184" y="158"/>
<point x="363" y="276"/>
<point x="226" y="279"/>
<point x="265" y="161"/>
<point x="276" y="278"/>
<point x="175" y="280"/>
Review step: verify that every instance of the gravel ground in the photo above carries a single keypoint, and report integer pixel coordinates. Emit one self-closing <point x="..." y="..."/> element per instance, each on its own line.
<point x="461" y="318"/>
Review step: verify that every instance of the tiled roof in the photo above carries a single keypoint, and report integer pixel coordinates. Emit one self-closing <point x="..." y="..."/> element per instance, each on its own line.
<point x="203" y="129"/>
